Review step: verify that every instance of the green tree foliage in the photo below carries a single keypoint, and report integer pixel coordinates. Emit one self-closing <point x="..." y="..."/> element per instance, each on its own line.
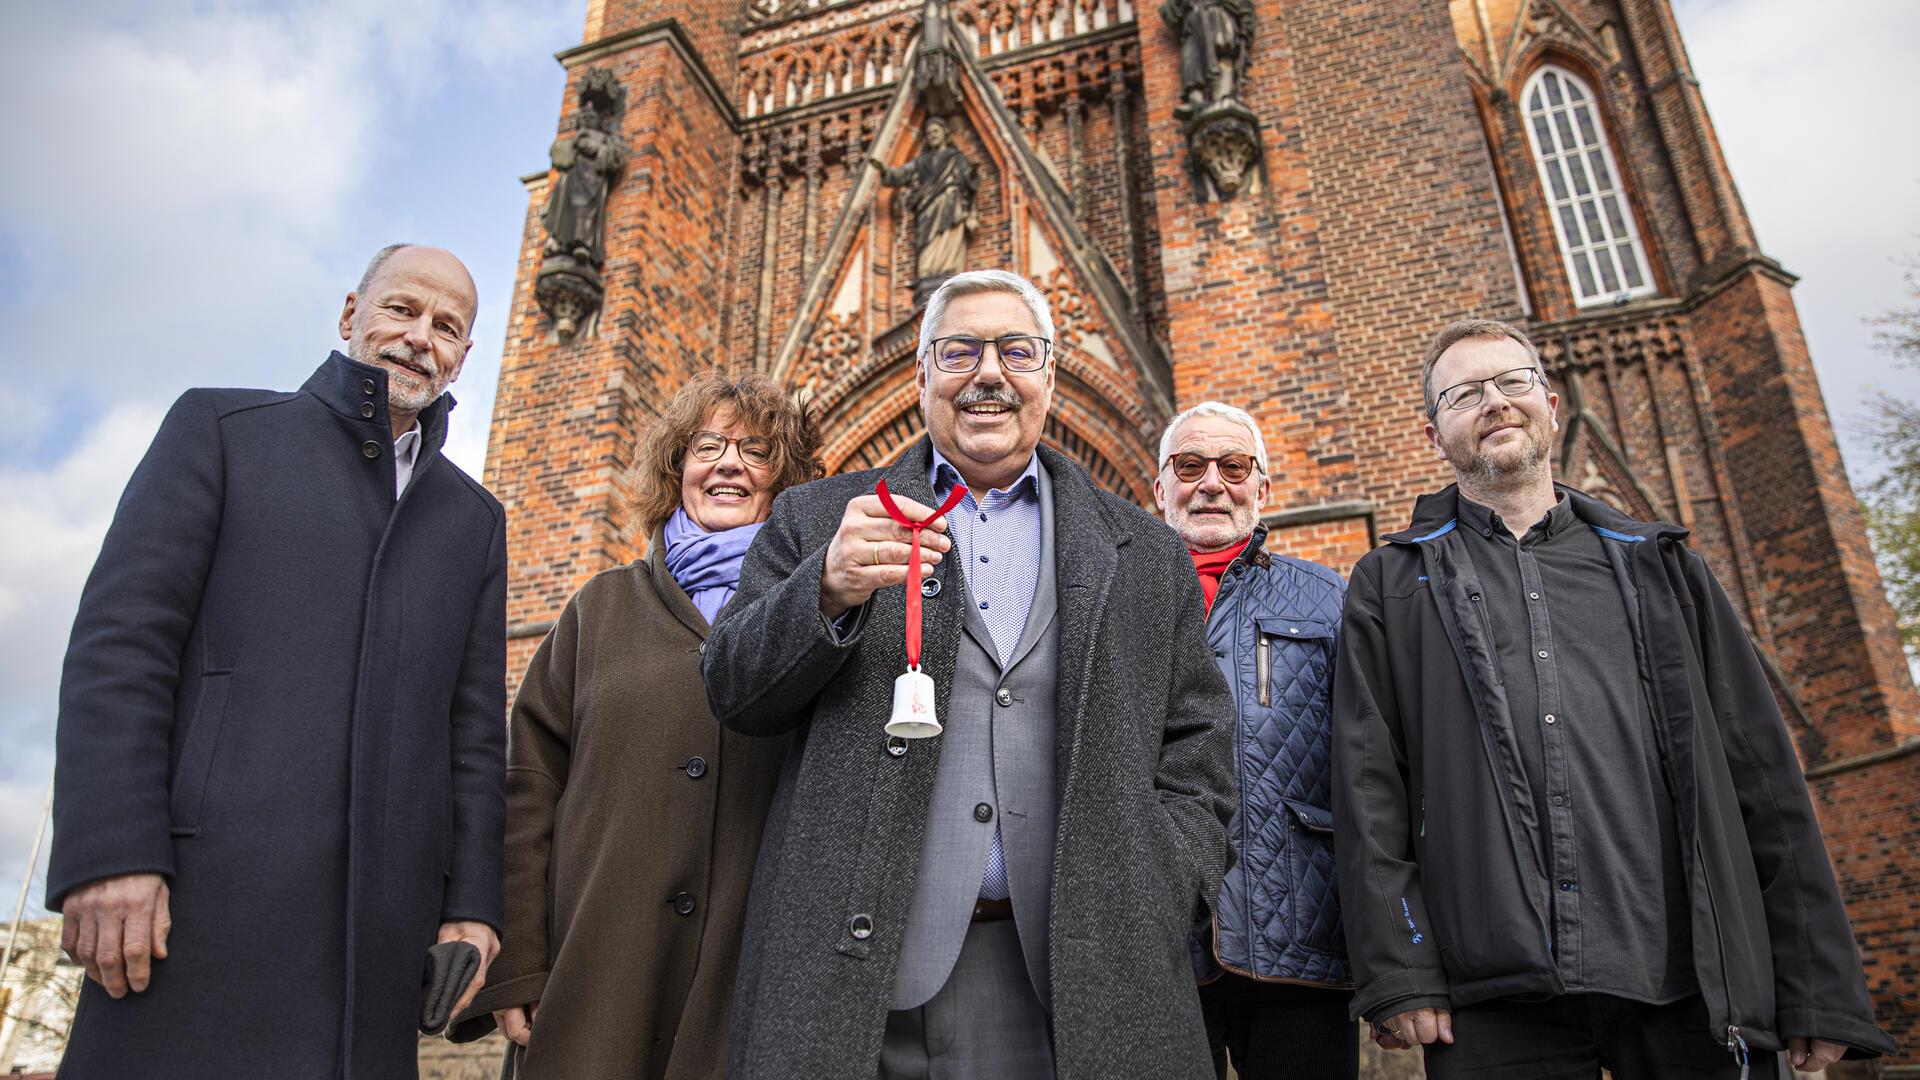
<point x="1892" y="502"/>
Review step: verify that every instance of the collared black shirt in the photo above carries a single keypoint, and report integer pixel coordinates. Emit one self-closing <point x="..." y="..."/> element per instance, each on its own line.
<point x="1608" y="841"/>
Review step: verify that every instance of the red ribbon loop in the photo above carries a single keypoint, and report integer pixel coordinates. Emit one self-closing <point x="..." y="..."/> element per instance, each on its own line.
<point x="913" y="562"/>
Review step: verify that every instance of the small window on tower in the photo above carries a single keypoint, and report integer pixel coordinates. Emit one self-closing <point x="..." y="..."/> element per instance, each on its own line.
<point x="1591" y="218"/>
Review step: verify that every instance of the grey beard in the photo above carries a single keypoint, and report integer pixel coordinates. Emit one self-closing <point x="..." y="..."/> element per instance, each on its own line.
<point x="401" y="396"/>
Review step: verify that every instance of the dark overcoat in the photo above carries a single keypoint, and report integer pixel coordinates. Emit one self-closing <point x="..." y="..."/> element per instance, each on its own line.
<point x="285" y="692"/>
<point x="633" y="821"/>
<point x="1143" y="753"/>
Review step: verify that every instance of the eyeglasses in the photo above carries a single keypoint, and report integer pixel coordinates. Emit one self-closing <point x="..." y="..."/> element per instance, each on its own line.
<point x="1234" y="468"/>
<point x="1466" y="395"/>
<point x="960" y="354"/>
<point x="711" y="445"/>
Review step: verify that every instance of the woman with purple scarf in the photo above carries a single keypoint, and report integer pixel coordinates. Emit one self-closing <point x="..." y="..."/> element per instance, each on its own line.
<point x="633" y="817"/>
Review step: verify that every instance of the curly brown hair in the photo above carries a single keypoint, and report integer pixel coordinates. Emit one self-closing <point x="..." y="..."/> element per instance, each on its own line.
<point x="763" y="405"/>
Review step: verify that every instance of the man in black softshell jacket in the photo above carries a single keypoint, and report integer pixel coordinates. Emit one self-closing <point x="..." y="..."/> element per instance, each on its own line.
<point x="1570" y="825"/>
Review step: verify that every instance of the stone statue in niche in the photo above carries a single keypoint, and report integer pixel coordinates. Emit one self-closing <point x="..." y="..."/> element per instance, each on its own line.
<point x="587" y="165"/>
<point x="940" y="185"/>
<point x="1223" y="135"/>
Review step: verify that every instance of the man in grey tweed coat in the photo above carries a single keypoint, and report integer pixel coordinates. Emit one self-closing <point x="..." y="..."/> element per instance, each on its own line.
<point x="1011" y="898"/>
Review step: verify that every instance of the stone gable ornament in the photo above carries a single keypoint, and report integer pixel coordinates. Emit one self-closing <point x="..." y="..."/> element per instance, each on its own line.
<point x="569" y="288"/>
<point x="936" y="69"/>
<point x="1223" y="135"/>
<point x="940" y="184"/>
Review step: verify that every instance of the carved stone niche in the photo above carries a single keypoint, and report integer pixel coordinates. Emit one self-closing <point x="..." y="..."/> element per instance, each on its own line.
<point x="1223" y="135"/>
<point x="587" y="166"/>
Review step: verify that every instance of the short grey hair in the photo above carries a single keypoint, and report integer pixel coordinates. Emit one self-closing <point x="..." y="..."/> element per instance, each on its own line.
<point x="1224" y="411"/>
<point x="982" y="281"/>
<point x="374" y="265"/>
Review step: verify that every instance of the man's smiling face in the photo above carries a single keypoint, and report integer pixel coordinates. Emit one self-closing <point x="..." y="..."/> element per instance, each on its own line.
<point x="1210" y="513"/>
<point x="1502" y="437"/>
<point x="413" y="321"/>
<point x="986" y="421"/>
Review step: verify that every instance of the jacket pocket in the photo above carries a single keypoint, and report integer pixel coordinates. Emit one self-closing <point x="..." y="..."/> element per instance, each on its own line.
<point x="191" y="774"/>
<point x="1293" y="663"/>
<point x="1315" y="903"/>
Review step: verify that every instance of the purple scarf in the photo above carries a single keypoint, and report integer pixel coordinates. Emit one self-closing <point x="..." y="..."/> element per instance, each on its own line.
<point x="706" y="564"/>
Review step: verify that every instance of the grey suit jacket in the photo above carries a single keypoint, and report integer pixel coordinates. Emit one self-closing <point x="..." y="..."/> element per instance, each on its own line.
<point x="997" y="756"/>
<point x="1142" y="753"/>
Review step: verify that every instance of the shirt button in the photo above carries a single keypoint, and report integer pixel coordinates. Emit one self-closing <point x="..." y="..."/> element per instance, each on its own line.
<point x="983" y="558"/>
<point x="366" y="409"/>
<point x="896" y="746"/>
<point x="1543" y="654"/>
<point x="983" y="517"/>
<point x="367" y="385"/>
<point x="696" y="768"/>
<point x="983" y="605"/>
<point x="1004" y="696"/>
<point x="370" y="449"/>
<point x="683" y="904"/>
<point x="983" y="813"/>
<point x="1549" y="718"/>
<point x="1559" y="800"/>
<point x="860" y="926"/>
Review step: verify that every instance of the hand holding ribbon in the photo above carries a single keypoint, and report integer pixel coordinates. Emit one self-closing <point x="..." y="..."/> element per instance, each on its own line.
<point x="913" y="559"/>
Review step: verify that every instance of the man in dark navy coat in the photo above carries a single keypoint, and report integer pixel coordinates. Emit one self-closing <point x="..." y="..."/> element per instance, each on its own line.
<point x="280" y="757"/>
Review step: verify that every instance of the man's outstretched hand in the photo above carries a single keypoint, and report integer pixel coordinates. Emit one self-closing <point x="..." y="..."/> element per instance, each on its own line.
<point x="116" y="928"/>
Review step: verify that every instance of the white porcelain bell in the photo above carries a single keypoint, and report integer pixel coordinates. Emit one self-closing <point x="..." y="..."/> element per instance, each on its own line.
<point x="913" y="706"/>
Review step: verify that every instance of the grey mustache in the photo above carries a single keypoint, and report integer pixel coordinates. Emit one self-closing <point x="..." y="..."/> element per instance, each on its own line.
<point x="981" y="395"/>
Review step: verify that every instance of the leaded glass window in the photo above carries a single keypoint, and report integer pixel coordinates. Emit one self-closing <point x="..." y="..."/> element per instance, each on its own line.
<point x="1605" y="260"/>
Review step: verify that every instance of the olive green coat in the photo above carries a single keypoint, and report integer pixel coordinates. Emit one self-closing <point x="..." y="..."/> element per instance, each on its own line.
<point x="633" y="821"/>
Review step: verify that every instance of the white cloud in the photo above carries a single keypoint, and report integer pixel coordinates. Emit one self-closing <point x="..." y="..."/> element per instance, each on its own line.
<point x="1813" y="110"/>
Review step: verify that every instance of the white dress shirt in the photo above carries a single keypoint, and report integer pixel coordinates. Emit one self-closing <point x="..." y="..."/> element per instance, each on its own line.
<point x="405" y="449"/>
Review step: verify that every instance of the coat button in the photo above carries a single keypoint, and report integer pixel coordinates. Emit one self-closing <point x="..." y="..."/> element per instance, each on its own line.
<point x="366" y="409"/>
<point x="1004" y="696"/>
<point x="983" y="812"/>
<point x="1475" y="597"/>
<point x="696" y="767"/>
<point x="860" y="926"/>
<point x="370" y="449"/>
<point x="683" y="903"/>
<point x="367" y="385"/>
<point x="930" y="587"/>
<point x="896" y="746"/>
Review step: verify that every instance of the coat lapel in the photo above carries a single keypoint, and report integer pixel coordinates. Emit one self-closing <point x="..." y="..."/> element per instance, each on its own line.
<point x="1086" y="554"/>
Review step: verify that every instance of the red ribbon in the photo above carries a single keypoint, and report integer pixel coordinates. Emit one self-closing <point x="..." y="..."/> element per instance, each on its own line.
<point x="913" y="563"/>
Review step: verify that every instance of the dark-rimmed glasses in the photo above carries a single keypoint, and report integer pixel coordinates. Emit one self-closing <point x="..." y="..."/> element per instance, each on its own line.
<point x="1234" y="467"/>
<point x="1511" y="384"/>
<point x="711" y="446"/>
<point x="959" y="353"/>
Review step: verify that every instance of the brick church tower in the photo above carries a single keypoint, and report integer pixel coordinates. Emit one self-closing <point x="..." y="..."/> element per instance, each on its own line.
<point x="1284" y="232"/>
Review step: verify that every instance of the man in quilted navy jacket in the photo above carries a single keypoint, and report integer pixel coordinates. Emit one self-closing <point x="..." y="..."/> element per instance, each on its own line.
<point x="1273" y="966"/>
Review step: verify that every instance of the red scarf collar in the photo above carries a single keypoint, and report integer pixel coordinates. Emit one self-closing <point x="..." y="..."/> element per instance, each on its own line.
<point x="1211" y="564"/>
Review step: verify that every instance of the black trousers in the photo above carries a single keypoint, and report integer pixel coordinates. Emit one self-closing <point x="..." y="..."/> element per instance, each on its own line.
<point x="1278" y="1031"/>
<point x="1574" y="1036"/>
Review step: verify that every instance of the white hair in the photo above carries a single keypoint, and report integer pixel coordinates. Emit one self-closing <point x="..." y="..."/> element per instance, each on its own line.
<point x="1225" y="411"/>
<point x="980" y="281"/>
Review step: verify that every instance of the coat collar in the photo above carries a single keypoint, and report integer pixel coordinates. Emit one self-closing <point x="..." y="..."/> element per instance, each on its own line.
<point x="348" y="386"/>
<point x="1436" y="514"/>
<point x="671" y="594"/>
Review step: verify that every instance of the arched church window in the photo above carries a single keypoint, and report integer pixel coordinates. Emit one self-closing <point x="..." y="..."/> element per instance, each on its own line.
<point x="1598" y="242"/>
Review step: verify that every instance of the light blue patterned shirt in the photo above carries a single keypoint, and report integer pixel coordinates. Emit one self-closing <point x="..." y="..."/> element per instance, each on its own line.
<point x="996" y="537"/>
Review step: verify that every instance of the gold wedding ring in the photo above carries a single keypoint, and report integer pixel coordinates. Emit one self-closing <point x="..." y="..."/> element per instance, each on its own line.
<point x="876" y="552"/>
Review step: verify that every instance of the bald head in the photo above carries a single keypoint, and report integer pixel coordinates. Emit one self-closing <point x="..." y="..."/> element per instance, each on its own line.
<point x="412" y="315"/>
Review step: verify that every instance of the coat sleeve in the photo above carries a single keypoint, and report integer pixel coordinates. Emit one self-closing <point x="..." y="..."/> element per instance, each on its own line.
<point x="539" y="763"/>
<point x="122" y="672"/>
<point x="1195" y="776"/>
<point x="1819" y="983"/>
<point x="772" y="651"/>
<point x="1396" y="966"/>
<point x="479" y="750"/>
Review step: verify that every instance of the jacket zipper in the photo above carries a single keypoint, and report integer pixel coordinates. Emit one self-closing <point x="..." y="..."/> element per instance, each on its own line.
<point x="1262" y="668"/>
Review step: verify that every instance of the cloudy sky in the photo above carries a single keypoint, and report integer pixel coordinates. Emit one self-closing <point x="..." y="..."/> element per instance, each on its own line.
<point x="190" y="187"/>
